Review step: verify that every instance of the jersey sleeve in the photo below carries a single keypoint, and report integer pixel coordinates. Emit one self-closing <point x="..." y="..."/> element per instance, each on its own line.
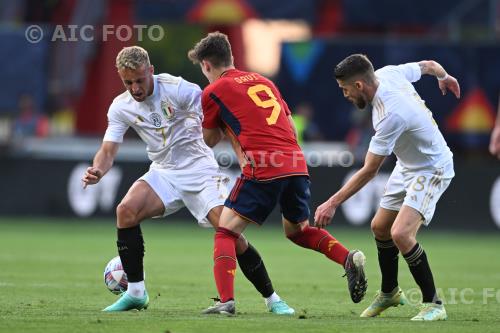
<point x="387" y="132"/>
<point x="189" y="97"/>
<point x="410" y="71"/>
<point x="211" y="117"/>
<point x="116" y="126"/>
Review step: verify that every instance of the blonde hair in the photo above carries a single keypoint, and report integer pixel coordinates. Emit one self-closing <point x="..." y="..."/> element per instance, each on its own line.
<point x="132" y="57"/>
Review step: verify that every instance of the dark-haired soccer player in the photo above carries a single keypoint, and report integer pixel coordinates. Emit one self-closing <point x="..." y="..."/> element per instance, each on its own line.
<point x="424" y="169"/>
<point x="250" y="109"/>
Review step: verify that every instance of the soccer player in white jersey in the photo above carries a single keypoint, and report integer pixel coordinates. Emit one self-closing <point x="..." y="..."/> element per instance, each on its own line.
<point x="165" y="111"/>
<point x="424" y="169"/>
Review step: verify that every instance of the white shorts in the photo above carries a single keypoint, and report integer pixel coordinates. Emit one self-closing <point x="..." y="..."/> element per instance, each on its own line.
<point x="198" y="190"/>
<point x="419" y="189"/>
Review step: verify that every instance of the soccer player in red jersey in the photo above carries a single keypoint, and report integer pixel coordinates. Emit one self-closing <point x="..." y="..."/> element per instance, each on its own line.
<point x="250" y="110"/>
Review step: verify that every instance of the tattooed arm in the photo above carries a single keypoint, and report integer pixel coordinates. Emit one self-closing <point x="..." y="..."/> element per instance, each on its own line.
<point x="445" y="81"/>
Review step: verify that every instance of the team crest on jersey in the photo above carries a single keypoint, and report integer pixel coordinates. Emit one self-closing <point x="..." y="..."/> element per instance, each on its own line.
<point x="168" y="111"/>
<point x="155" y="119"/>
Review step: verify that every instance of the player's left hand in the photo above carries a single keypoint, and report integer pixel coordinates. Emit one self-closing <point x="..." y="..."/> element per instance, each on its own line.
<point x="324" y="214"/>
<point x="450" y="84"/>
<point x="495" y="142"/>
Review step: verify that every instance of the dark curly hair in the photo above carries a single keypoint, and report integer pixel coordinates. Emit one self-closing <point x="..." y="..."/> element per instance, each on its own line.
<point x="214" y="48"/>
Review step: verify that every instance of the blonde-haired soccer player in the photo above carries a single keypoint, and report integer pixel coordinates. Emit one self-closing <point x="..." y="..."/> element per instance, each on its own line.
<point x="165" y="111"/>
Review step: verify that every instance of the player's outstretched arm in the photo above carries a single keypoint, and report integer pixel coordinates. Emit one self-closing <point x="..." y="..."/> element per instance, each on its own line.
<point x="445" y="80"/>
<point x="326" y="211"/>
<point x="103" y="161"/>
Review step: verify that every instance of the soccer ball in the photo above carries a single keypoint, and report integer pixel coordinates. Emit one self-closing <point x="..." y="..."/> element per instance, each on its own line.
<point x="115" y="277"/>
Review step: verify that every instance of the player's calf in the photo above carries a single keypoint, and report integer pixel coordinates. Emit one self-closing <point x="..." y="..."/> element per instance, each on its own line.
<point x="321" y="241"/>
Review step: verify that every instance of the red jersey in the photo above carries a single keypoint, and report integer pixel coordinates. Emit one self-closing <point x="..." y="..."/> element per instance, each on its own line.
<point x="251" y="110"/>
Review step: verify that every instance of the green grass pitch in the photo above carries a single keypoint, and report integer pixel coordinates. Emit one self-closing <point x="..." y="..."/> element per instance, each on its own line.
<point x="51" y="281"/>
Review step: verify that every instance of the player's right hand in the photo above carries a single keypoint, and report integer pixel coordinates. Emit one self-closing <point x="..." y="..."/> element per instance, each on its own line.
<point x="91" y="176"/>
<point x="450" y="84"/>
<point x="324" y="214"/>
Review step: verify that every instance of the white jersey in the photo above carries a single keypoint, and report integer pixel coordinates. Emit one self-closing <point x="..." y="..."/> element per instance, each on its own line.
<point x="168" y="121"/>
<point x="402" y="122"/>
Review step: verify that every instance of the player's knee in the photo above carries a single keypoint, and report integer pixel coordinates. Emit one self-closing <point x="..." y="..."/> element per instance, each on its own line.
<point x="293" y="229"/>
<point x="379" y="230"/>
<point x="126" y="216"/>
<point x="400" y="236"/>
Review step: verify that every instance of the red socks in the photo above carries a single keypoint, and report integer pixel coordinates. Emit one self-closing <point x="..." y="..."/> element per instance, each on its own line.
<point x="225" y="254"/>
<point x="225" y="262"/>
<point x="320" y="240"/>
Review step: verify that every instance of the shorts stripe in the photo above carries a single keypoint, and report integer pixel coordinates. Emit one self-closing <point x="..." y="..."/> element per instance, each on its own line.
<point x="231" y="195"/>
<point x="435" y="180"/>
<point x="427" y="194"/>
<point x="236" y="189"/>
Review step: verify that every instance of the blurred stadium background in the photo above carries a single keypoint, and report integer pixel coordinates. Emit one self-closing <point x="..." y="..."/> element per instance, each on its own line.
<point x="58" y="79"/>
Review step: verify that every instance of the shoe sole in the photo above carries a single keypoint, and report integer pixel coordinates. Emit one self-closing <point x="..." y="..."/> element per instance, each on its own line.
<point x="283" y="313"/>
<point x="439" y="319"/>
<point x="215" y="311"/>
<point x="225" y="313"/>
<point x="378" y="314"/>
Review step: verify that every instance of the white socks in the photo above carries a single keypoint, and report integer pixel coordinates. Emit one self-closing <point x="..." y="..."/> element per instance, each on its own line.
<point x="271" y="299"/>
<point x="136" y="289"/>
